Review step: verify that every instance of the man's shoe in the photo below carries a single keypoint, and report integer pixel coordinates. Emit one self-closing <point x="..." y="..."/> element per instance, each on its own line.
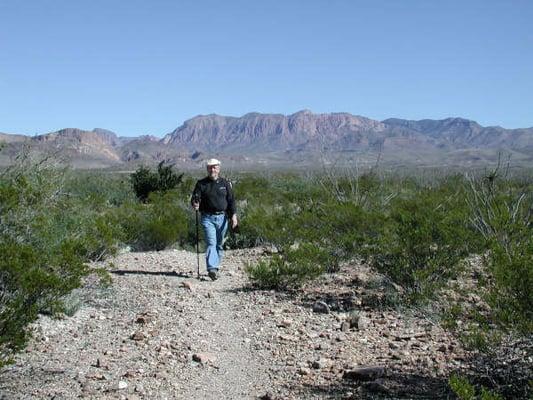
<point x="213" y="274"/>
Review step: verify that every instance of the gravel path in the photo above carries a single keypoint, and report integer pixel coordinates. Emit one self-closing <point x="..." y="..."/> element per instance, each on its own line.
<point x="159" y="333"/>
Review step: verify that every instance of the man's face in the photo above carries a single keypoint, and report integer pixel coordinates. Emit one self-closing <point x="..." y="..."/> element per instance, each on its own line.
<point x="213" y="171"/>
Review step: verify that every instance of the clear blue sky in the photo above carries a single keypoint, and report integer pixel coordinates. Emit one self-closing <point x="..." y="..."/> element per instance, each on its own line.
<point x="144" y="67"/>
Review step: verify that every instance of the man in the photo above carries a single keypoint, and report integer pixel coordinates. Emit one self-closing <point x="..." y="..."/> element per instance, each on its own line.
<point x="213" y="196"/>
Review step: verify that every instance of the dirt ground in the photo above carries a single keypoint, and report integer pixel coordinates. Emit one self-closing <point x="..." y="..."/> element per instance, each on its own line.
<point x="157" y="332"/>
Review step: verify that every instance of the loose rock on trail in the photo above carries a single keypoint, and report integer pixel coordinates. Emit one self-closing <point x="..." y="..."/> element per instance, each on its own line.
<point x="159" y="333"/>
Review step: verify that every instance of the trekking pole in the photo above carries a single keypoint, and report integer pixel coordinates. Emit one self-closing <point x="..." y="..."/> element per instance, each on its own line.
<point x="197" y="247"/>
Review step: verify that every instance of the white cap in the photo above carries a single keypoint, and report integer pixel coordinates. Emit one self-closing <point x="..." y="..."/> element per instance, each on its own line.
<point x="212" y="161"/>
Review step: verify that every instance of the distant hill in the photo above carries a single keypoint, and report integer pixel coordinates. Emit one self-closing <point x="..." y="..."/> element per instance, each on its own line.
<point x="299" y="139"/>
<point x="11" y="138"/>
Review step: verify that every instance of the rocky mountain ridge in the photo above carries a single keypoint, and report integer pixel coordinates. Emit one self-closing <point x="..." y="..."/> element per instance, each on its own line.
<point x="295" y="138"/>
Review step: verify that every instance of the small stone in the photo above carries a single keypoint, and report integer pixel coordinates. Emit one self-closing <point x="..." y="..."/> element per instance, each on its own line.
<point x="138" y="336"/>
<point x="267" y="396"/>
<point x="187" y="285"/>
<point x="143" y="319"/>
<point x="288" y="338"/>
<point x="285" y="323"/>
<point x="304" y="371"/>
<point x="204" y="358"/>
<point x="88" y="389"/>
<point x="321" y="346"/>
<point x="340" y="338"/>
<point x="122" y="385"/>
<point x="352" y="318"/>
<point x="320" y="363"/>
<point x="321" y="307"/>
<point x="345" y="326"/>
<point x="362" y="323"/>
<point x="271" y="249"/>
<point x="96" y="377"/>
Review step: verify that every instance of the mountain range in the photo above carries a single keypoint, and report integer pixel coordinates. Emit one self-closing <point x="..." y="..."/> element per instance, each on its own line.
<point x="300" y="139"/>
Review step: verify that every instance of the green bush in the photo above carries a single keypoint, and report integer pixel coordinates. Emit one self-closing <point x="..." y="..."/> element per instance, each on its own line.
<point x="462" y="387"/>
<point x="144" y="181"/>
<point x="502" y="211"/>
<point x="290" y="269"/>
<point x="98" y="188"/>
<point x="423" y="241"/>
<point x="510" y="294"/>
<point x="46" y="236"/>
<point x="155" y="225"/>
<point x="464" y="390"/>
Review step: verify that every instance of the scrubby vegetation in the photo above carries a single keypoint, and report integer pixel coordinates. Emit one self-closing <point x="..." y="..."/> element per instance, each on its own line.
<point x="53" y="221"/>
<point x="418" y="231"/>
<point x="420" y="234"/>
<point x="464" y="390"/>
<point x="146" y="181"/>
<point x="46" y="236"/>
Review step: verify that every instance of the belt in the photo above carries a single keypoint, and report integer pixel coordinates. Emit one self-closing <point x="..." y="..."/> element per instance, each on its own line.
<point x="214" y="213"/>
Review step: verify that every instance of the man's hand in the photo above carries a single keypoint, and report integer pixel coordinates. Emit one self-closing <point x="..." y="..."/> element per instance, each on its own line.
<point x="234" y="221"/>
<point x="196" y="205"/>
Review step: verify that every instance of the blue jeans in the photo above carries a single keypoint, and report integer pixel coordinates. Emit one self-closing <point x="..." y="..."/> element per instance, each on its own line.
<point x="215" y="227"/>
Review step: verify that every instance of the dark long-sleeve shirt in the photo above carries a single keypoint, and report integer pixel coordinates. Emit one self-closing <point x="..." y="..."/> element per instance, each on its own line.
<point x="214" y="195"/>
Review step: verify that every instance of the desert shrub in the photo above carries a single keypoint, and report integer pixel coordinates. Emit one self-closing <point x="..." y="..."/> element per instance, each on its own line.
<point x="462" y="387"/>
<point x="160" y="220"/>
<point x="155" y="225"/>
<point x="260" y="203"/>
<point x="423" y="240"/>
<point x="33" y="282"/>
<point x="144" y="181"/>
<point x="46" y="237"/>
<point x="510" y="294"/>
<point x="464" y="390"/>
<point x="289" y="269"/>
<point x="352" y="229"/>
<point x="318" y="212"/>
<point x="98" y="188"/>
<point x="362" y="190"/>
<point x="502" y="211"/>
<point x="308" y="214"/>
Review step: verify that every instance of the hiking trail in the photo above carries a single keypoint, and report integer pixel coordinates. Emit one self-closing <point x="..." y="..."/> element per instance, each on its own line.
<point x="157" y="332"/>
